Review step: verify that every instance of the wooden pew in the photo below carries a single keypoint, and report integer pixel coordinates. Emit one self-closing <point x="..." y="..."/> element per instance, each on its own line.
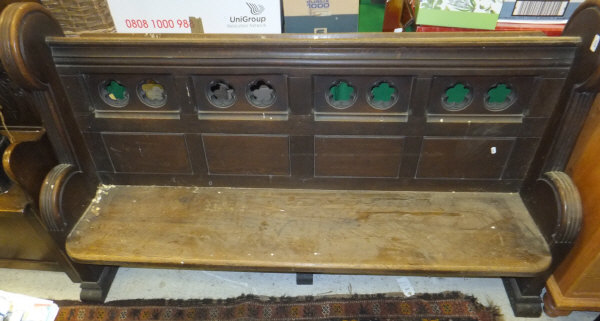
<point x="428" y="154"/>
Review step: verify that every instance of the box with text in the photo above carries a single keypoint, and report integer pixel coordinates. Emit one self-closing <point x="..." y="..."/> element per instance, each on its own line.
<point x="196" y="16"/>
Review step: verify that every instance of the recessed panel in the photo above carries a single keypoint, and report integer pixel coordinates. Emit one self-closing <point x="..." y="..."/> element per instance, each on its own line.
<point x="148" y="153"/>
<point x="464" y="158"/>
<point x="247" y="154"/>
<point x="358" y="156"/>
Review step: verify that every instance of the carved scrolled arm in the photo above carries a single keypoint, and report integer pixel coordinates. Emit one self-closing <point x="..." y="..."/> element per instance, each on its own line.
<point x="51" y="197"/>
<point x="555" y="198"/>
<point x="64" y="195"/>
<point x="23" y="50"/>
<point x="585" y="23"/>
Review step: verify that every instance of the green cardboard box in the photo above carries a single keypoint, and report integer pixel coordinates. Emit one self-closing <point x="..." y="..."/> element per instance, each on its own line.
<point x="477" y="14"/>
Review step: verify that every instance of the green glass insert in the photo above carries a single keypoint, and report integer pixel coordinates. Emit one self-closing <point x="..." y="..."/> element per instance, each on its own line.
<point x="499" y="94"/>
<point x="383" y="92"/>
<point x="115" y="90"/>
<point x="457" y="94"/>
<point x="341" y="92"/>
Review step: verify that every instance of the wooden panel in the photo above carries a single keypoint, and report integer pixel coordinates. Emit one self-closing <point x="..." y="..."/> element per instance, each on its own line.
<point x="358" y="156"/>
<point x="521" y="158"/>
<point x="336" y="231"/>
<point x="247" y="154"/>
<point x="13" y="202"/>
<point x="301" y="70"/>
<point x="18" y="107"/>
<point x="20" y="241"/>
<point x="575" y="283"/>
<point x="464" y="157"/>
<point x="148" y="153"/>
<point x="558" y="304"/>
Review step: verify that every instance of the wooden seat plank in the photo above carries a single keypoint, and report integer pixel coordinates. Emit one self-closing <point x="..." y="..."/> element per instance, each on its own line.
<point x="310" y="230"/>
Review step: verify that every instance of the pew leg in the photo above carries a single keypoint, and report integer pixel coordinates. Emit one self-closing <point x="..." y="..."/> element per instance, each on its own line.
<point x="96" y="291"/>
<point x="525" y="303"/>
<point x="304" y="278"/>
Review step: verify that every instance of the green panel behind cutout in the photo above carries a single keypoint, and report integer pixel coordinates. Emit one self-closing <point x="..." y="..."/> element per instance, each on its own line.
<point x="457" y="94"/>
<point x="383" y="92"/>
<point x="499" y="94"/>
<point x="342" y="92"/>
<point x="115" y="90"/>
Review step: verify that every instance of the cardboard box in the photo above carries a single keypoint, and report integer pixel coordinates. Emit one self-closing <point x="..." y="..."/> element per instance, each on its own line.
<point x="196" y="16"/>
<point x="320" y="16"/>
<point x="538" y="11"/>
<point x="477" y="14"/>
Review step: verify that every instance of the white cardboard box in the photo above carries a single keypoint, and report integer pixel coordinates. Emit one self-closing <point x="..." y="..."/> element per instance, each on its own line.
<point x="197" y="16"/>
<point x="538" y="11"/>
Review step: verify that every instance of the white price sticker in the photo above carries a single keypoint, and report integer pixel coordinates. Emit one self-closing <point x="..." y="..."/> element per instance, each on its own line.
<point x="594" y="45"/>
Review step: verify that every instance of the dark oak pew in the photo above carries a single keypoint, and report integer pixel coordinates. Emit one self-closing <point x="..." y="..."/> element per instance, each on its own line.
<point x="428" y="154"/>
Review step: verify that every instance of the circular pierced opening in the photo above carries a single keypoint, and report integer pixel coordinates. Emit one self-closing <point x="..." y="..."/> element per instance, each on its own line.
<point x="383" y="95"/>
<point x="221" y="94"/>
<point x="500" y="97"/>
<point x="341" y="95"/>
<point x="260" y="93"/>
<point x="457" y="97"/>
<point x="113" y="93"/>
<point x="151" y="93"/>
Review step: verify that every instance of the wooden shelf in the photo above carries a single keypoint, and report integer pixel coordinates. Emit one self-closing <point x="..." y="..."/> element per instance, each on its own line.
<point x="13" y="202"/>
<point x="310" y="230"/>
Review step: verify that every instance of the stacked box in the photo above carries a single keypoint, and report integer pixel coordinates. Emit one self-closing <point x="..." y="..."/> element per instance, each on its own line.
<point x="320" y="16"/>
<point x="538" y="11"/>
<point x="196" y="16"/>
<point x="477" y="14"/>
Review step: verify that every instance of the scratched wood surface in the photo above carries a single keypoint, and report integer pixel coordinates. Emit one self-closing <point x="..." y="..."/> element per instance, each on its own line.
<point x="310" y="230"/>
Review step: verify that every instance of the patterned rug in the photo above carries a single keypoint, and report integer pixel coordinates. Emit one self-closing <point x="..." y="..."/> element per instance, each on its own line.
<point x="379" y="307"/>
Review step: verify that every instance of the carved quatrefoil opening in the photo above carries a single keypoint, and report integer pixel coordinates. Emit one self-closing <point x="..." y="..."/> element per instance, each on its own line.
<point x="221" y="94"/>
<point x="500" y="97"/>
<point x="113" y="93"/>
<point x="261" y="94"/>
<point x="152" y="94"/>
<point x="341" y="95"/>
<point x="383" y="95"/>
<point x="457" y="97"/>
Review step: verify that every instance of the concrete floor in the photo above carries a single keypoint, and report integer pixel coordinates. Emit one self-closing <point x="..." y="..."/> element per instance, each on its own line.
<point x="183" y="284"/>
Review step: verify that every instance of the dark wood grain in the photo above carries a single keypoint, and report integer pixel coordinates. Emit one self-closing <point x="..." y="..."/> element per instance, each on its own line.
<point x="247" y="154"/>
<point x="147" y="153"/>
<point x="464" y="158"/>
<point x="358" y="156"/>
